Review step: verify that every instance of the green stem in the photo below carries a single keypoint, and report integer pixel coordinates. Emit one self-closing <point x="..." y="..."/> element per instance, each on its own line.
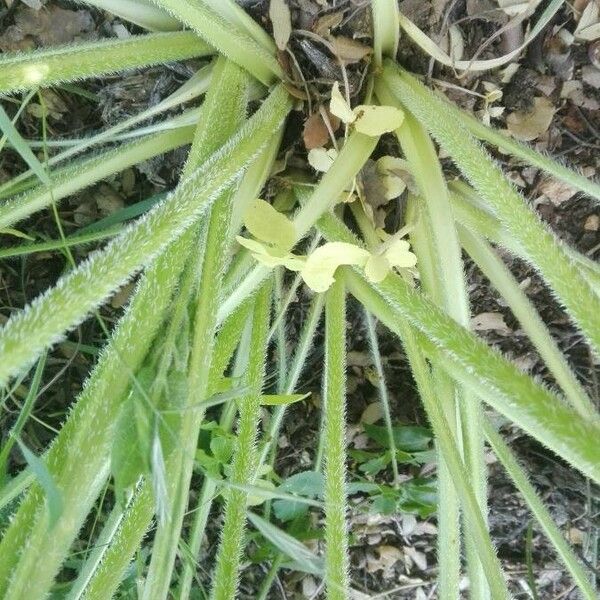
<point x="383" y="392"/>
<point x="226" y="422"/>
<point x="386" y="29"/>
<point x="337" y="565"/>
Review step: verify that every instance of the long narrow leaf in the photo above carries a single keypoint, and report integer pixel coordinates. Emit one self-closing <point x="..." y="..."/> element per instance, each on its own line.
<point x="140" y="12"/>
<point x="468" y="359"/>
<point x="47" y="319"/>
<point x="228" y="39"/>
<point x="83" y="173"/>
<point x="540" y="245"/>
<point x="47" y="67"/>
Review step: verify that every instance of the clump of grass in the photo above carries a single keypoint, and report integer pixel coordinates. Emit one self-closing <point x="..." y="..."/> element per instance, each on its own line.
<point x="201" y="298"/>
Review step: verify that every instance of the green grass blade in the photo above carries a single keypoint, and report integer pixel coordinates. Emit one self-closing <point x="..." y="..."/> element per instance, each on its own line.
<point x="194" y="87"/>
<point x="473" y="216"/>
<point x="107" y="536"/>
<point x="521" y="481"/>
<point x="46" y="67"/>
<point x="337" y="560"/>
<point x="289" y="546"/>
<point x="83" y="173"/>
<point x="502" y="279"/>
<point x="67" y="304"/>
<point x="24" y="413"/>
<point x="542" y="248"/>
<point x="19" y="144"/>
<point x="234" y="13"/>
<point x="226" y="574"/>
<point x="51" y="245"/>
<point x="230" y="41"/>
<point x="241" y="333"/>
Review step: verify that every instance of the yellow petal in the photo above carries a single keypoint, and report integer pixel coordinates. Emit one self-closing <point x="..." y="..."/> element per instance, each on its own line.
<point x="252" y="245"/>
<point x="376" y="120"/>
<point x="321" y="160"/>
<point x="265" y="256"/>
<point x="321" y="265"/>
<point x="399" y="255"/>
<point x="393" y="172"/>
<point x="339" y="107"/>
<point x="268" y="225"/>
<point x="377" y="268"/>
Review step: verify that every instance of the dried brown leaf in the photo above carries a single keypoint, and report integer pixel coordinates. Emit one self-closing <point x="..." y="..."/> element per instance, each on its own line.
<point x="531" y="125"/>
<point x="349" y="50"/>
<point x="279" y="13"/>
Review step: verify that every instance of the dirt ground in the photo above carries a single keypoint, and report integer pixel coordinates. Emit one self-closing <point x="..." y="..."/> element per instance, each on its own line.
<point x="550" y="96"/>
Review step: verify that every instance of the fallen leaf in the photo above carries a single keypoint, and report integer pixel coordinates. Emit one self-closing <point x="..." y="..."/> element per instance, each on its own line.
<point x="372" y="413"/>
<point x="349" y="50"/>
<point x="395" y="175"/>
<point x="388" y="556"/>
<point x="316" y="133"/>
<point x="517" y="7"/>
<point x="573" y="90"/>
<point x="279" y="13"/>
<point x="417" y="557"/>
<point x="531" y="125"/>
<point x="592" y="223"/>
<point x="327" y="22"/>
<point x="490" y="321"/>
<point x="49" y="27"/>
<point x="588" y="27"/>
<point x="556" y="191"/>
